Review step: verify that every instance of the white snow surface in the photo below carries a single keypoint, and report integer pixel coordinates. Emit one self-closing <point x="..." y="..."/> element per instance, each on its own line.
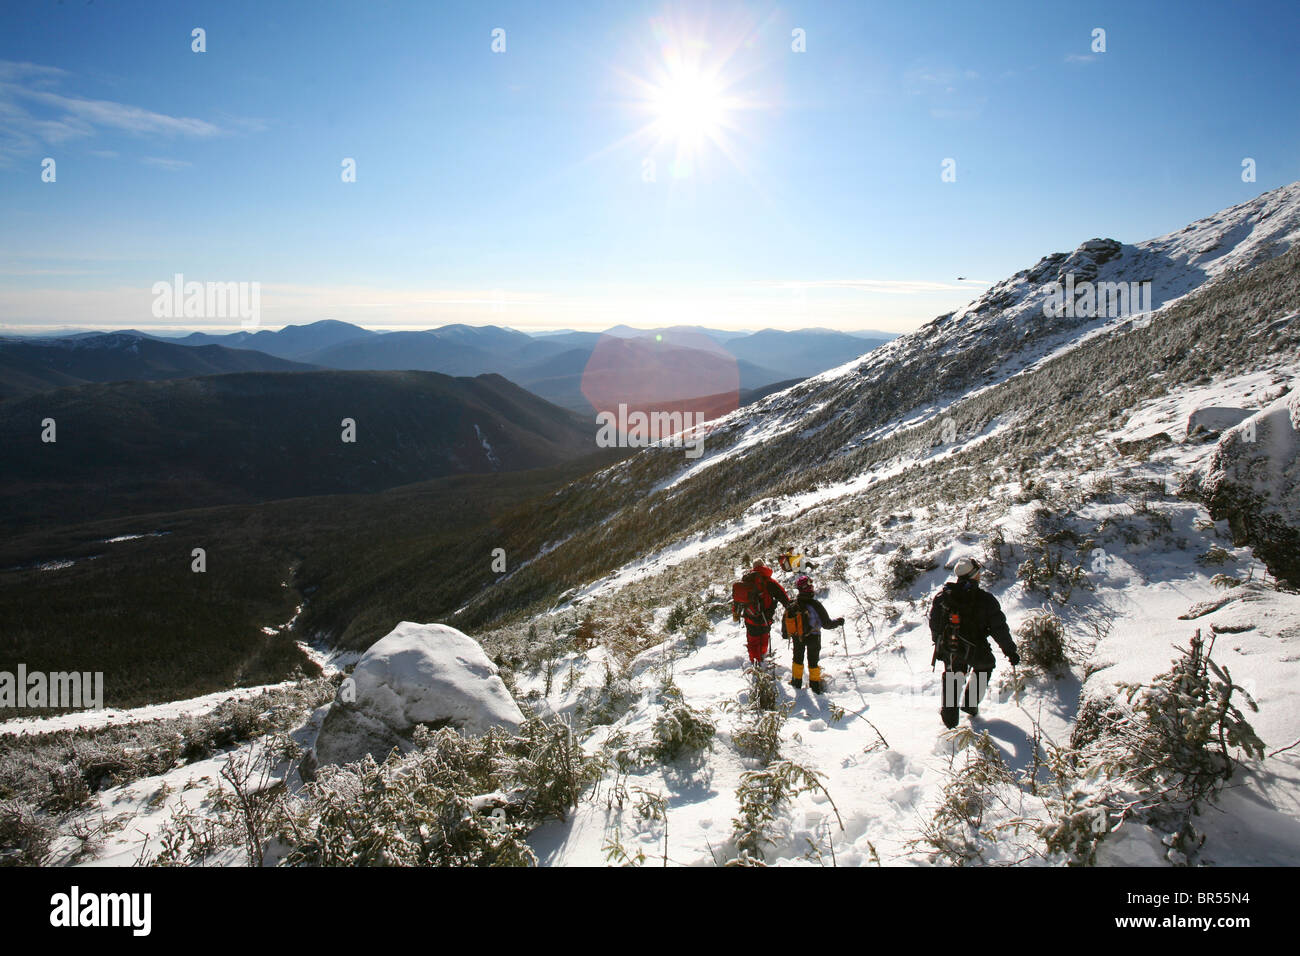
<point x="885" y="761"/>
<point x="117" y="717"/>
<point x="423" y="673"/>
<point x="417" y="674"/>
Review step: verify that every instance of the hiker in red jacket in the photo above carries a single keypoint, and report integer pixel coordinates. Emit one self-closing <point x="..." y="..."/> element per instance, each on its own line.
<point x="760" y="610"/>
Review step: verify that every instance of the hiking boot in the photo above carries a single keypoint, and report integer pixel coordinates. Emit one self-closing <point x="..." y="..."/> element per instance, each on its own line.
<point x="949" y="715"/>
<point x="973" y="711"/>
<point x="816" y="686"/>
<point x="797" y="683"/>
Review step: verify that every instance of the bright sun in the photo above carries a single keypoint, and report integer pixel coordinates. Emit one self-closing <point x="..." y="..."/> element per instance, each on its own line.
<point x="690" y="98"/>
<point x="690" y="107"/>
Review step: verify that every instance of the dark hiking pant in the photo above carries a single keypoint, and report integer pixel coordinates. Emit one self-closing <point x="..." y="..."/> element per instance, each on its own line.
<point x="810" y="646"/>
<point x="964" y="689"/>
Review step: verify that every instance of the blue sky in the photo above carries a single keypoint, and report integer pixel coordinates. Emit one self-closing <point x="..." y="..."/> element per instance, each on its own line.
<point x="789" y="189"/>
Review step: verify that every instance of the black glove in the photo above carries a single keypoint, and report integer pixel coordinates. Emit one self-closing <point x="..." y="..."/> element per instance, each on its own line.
<point x="1014" y="657"/>
<point x="838" y="622"/>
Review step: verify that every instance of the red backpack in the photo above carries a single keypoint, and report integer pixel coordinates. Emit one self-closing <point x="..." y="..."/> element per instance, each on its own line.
<point x="750" y="598"/>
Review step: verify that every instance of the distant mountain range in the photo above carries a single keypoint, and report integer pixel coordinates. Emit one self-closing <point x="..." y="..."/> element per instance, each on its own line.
<point x="584" y="372"/>
<point x="667" y="365"/>
<point x="38" y="365"/>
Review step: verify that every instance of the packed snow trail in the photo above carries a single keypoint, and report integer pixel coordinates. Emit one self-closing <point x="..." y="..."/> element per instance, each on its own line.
<point x="880" y="791"/>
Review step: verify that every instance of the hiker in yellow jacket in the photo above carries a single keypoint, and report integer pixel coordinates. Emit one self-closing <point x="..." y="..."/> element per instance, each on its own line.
<point x="793" y="563"/>
<point x="803" y="624"/>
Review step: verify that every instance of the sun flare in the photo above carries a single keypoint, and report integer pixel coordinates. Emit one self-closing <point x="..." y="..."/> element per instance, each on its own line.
<point x="690" y="108"/>
<point x="692" y="93"/>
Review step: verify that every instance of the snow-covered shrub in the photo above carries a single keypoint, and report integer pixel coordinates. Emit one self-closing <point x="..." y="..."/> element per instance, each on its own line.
<point x="1077" y="820"/>
<point x="765" y="690"/>
<point x="454" y="801"/>
<point x="762" y="737"/>
<point x="251" y="791"/>
<point x="761" y="796"/>
<point x="1052" y="525"/>
<point x="904" y="571"/>
<point x="59" y="771"/>
<point x="239" y="814"/>
<point x="190" y="837"/>
<point x="650" y="806"/>
<point x="548" y="768"/>
<point x="1094" y="716"/>
<point x="542" y="653"/>
<point x="1186" y="726"/>
<point x="67" y="786"/>
<point x="678" y="616"/>
<point x="690" y="619"/>
<point x="1040" y="639"/>
<point x="405" y="813"/>
<point x="608" y="702"/>
<point x="996" y="553"/>
<point x="837" y="567"/>
<point x="1153" y="754"/>
<point x="25" y="834"/>
<point x="1101" y="486"/>
<point x="955" y="832"/>
<point x="680" y="730"/>
<point x="1214" y="555"/>
<point x="1050" y="572"/>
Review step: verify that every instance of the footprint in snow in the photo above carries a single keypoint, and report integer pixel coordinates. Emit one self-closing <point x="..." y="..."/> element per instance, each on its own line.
<point x="906" y="796"/>
<point x="895" y="763"/>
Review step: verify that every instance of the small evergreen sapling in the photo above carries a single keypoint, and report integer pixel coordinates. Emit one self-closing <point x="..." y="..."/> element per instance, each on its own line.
<point x="1040" y="639"/>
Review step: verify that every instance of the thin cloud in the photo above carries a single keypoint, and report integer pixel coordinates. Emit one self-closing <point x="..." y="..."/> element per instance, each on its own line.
<point x="33" y="116"/>
<point x="950" y="92"/>
<point x="35" y="73"/>
<point x="132" y="119"/>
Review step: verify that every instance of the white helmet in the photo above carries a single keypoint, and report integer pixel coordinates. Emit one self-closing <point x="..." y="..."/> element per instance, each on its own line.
<point x="966" y="568"/>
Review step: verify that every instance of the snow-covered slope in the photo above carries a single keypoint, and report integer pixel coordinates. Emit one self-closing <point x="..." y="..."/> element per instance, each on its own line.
<point x="1057" y="450"/>
<point x="863" y="464"/>
<point x="876" y="735"/>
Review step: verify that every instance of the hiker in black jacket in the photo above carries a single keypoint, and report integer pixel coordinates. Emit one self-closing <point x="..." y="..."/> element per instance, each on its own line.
<point x="962" y="619"/>
<point x="810" y="642"/>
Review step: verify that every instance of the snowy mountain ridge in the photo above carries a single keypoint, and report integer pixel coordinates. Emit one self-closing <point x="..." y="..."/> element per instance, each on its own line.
<point x="913" y="382"/>
<point x="1012" y="311"/>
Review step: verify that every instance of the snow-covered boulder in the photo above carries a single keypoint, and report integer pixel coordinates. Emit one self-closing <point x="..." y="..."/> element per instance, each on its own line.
<point x="1254" y="482"/>
<point x="418" y="674"/>
<point x="1213" y="420"/>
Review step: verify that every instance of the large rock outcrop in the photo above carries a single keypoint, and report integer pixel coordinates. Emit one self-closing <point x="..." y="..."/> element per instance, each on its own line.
<point x="418" y="674"/>
<point x="1254" y="482"/>
<point x="1212" y="420"/>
